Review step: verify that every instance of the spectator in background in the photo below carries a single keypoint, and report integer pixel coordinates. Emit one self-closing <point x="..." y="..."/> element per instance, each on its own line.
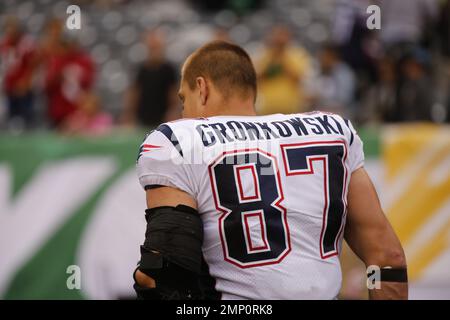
<point x="443" y="28"/>
<point x="152" y="98"/>
<point x="88" y="119"/>
<point x="333" y="89"/>
<point x="443" y="32"/>
<point x="404" y="23"/>
<point x="69" y="73"/>
<point x="361" y="49"/>
<point x="415" y="92"/>
<point x="281" y="70"/>
<point x="359" y="46"/>
<point x="380" y="102"/>
<point x="18" y="64"/>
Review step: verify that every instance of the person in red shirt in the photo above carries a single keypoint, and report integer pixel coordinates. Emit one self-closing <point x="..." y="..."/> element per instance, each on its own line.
<point x="69" y="73"/>
<point x="18" y="63"/>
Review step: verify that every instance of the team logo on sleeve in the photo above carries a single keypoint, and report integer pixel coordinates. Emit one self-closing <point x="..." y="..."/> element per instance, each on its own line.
<point x="147" y="148"/>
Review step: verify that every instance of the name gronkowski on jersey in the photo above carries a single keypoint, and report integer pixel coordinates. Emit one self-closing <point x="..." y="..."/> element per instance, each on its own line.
<point x="272" y="194"/>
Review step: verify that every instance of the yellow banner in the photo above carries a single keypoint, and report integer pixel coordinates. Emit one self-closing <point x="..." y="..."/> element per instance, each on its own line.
<point x="416" y="195"/>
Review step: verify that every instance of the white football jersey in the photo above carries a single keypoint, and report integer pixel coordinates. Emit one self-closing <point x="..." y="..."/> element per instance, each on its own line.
<point x="272" y="195"/>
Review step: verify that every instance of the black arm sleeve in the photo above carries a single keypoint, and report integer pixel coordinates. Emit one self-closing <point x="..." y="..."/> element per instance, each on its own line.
<point x="171" y="253"/>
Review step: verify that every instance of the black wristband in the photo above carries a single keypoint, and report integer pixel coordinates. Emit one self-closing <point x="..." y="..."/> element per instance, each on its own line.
<point x="394" y="275"/>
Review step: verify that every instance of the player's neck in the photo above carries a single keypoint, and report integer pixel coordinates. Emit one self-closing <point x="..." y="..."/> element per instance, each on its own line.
<point x="235" y="108"/>
<point x="235" y="112"/>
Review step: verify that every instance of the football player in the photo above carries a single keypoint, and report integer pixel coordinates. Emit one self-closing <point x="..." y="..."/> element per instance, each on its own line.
<point x="256" y="207"/>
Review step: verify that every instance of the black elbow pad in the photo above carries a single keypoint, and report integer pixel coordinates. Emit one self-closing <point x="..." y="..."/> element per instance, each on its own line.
<point x="171" y="253"/>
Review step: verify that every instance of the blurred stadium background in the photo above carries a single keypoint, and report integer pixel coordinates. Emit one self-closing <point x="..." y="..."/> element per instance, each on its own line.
<point x="75" y="105"/>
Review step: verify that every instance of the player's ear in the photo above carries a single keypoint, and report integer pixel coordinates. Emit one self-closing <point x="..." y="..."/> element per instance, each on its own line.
<point x="203" y="90"/>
